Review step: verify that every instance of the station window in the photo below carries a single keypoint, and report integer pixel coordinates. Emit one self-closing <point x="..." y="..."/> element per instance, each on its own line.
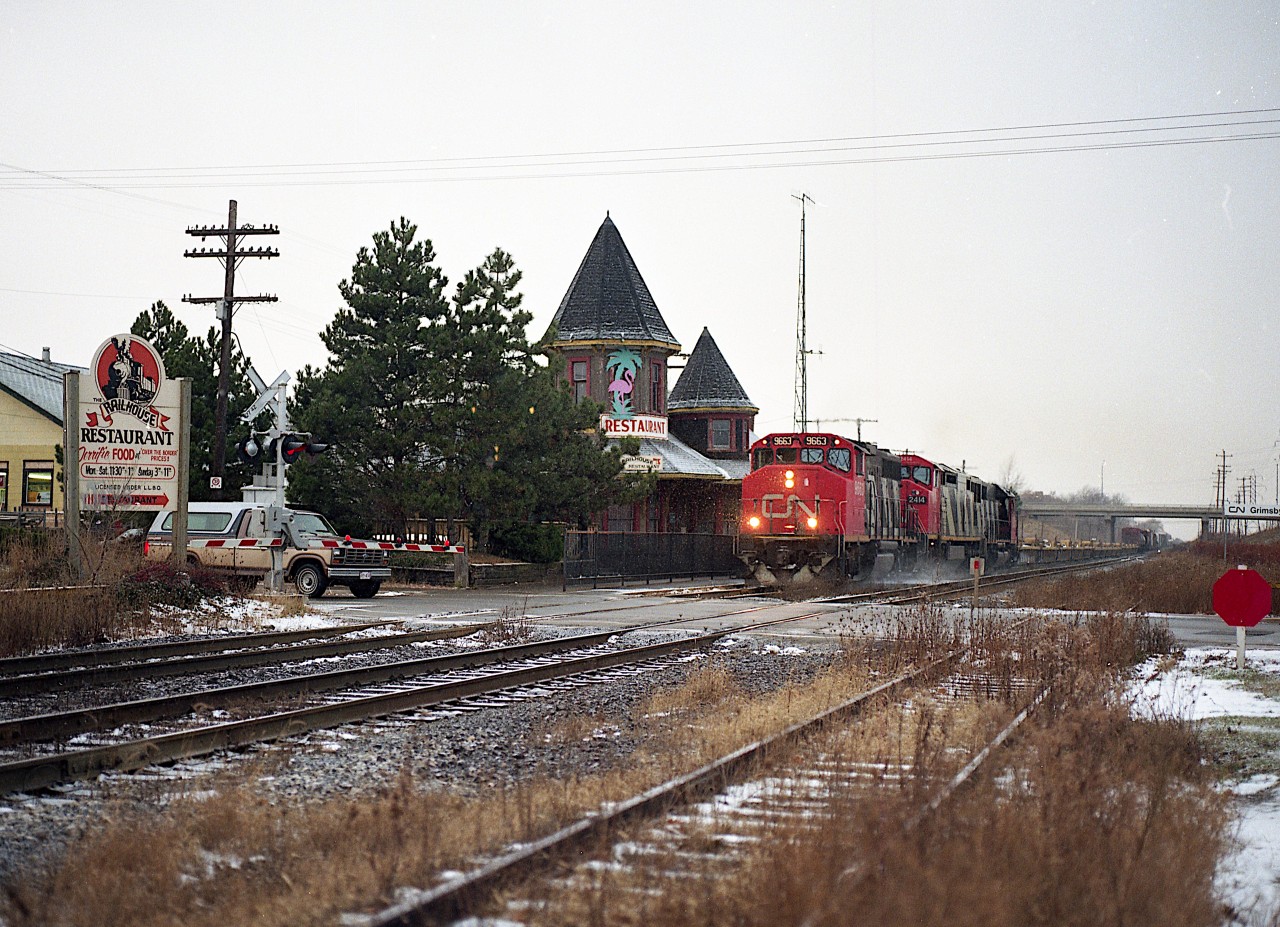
<point x="720" y="434"/>
<point x="657" y="387"/>
<point x="4" y="487"/>
<point x="37" y="482"/>
<point x="580" y="378"/>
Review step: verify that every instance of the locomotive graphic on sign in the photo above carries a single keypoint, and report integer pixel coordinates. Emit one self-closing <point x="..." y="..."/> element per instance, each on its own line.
<point x="128" y="369"/>
<point x="128" y="429"/>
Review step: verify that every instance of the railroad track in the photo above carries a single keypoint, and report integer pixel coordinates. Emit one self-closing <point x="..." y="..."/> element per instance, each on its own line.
<point x="35" y="746"/>
<point x="941" y="591"/>
<point x="703" y="817"/>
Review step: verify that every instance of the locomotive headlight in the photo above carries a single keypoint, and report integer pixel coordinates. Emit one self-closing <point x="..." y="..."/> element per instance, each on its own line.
<point x="754" y="521"/>
<point x="790" y="474"/>
<point x="790" y="484"/>
<point x="813" y="522"/>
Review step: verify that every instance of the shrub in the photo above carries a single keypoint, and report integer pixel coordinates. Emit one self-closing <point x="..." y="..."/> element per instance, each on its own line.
<point x="542" y="543"/>
<point x="159" y="582"/>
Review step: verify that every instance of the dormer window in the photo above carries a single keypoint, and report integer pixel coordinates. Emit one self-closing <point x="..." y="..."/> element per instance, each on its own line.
<point x="720" y="434"/>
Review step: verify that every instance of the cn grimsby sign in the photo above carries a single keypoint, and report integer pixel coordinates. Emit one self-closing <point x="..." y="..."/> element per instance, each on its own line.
<point x="129" y="429"/>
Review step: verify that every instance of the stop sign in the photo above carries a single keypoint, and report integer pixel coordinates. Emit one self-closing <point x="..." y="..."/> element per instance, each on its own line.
<point x="1241" y="597"/>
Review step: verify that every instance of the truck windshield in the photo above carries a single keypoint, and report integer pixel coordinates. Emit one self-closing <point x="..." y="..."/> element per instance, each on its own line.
<point x="215" y="522"/>
<point x="311" y="523"/>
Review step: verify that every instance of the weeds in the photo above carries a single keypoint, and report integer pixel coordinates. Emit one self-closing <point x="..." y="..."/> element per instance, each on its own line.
<point x="1179" y="582"/>
<point x="512" y="626"/>
<point x="1098" y="820"/>
<point x="44" y="607"/>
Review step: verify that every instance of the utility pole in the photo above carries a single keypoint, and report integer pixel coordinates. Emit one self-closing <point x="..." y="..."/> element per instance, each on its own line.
<point x="817" y="423"/>
<point x="224" y="308"/>
<point x="1220" y="489"/>
<point x="801" y="417"/>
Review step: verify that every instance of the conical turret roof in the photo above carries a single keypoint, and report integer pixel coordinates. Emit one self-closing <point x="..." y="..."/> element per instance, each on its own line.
<point x="708" y="382"/>
<point x="608" y="299"/>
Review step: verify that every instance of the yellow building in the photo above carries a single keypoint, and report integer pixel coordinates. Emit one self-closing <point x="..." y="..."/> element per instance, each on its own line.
<point x="30" y="428"/>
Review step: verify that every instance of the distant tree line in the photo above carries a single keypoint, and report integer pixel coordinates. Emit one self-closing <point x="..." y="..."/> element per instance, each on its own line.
<point x="433" y="401"/>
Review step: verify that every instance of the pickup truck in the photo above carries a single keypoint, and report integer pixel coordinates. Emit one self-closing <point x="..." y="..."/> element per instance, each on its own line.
<point x="232" y="538"/>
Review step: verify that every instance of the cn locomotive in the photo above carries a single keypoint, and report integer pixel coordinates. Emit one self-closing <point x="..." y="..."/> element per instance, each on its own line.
<point x="819" y="503"/>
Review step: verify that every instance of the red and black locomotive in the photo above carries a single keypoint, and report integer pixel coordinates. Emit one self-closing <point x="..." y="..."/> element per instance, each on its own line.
<point x="821" y="503"/>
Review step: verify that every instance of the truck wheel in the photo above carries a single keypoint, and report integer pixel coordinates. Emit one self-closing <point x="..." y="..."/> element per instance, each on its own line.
<point x="365" y="588"/>
<point x="310" y="580"/>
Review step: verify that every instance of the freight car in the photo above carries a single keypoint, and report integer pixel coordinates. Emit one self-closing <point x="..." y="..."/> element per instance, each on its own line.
<point x="821" y="503"/>
<point x="1143" y="538"/>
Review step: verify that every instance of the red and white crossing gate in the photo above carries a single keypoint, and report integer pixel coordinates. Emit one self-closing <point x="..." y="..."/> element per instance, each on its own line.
<point x="390" y="545"/>
<point x="236" y="543"/>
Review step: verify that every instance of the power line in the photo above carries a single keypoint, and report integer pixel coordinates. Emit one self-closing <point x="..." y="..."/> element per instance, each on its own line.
<point x="295" y="179"/>
<point x="987" y="130"/>
<point x="9" y="289"/>
<point x="461" y="164"/>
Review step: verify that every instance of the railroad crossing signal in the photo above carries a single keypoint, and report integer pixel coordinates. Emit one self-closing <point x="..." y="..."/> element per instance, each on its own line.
<point x="1241" y="597"/>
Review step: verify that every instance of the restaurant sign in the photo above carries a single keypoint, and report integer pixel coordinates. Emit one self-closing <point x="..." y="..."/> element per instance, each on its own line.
<point x="129" y="426"/>
<point x="637" y="426"/>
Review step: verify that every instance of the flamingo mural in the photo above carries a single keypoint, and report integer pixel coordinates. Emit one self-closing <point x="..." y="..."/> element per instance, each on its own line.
<point x="623" y="365"/>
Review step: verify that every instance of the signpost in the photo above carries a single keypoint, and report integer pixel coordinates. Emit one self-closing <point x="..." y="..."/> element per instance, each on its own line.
<point x="127" y="437"/>
<point x="1241" y="597"/>
<point x="977" y="566"/>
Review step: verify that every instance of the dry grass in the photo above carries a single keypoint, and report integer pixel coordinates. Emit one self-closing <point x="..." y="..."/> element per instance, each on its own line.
<point x="1098" y="820"/>
<point x="1179" y="582"/>
<point x="239" y="859"/>
<point x="43" y="606"/>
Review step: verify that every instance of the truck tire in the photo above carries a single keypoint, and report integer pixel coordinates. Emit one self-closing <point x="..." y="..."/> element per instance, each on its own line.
<point x="310" y="580"/>
<point x="365" y="588"/>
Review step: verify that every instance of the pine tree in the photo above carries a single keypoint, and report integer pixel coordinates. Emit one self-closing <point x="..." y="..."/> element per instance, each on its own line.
<point x="438" y="407"/>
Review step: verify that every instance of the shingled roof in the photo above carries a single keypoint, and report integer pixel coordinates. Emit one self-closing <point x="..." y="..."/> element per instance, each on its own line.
<point x="608" y="299"/>
<point x="707" y="381"/>
<point x="37" y="383"/>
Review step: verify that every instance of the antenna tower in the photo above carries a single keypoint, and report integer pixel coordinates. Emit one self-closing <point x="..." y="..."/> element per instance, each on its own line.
<point x="801" y="416"/>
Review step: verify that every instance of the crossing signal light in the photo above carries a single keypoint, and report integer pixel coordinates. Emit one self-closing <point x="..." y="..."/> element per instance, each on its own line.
<point x="249" y="450"/>
<point x="293" y="447"/>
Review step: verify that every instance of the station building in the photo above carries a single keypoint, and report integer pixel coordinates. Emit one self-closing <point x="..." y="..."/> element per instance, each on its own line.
<point x="30" y="428"/>
<point x="611" y="344"/>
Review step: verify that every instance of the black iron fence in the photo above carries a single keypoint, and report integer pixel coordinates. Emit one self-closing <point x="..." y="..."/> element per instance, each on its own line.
<point x="608" y="558"/>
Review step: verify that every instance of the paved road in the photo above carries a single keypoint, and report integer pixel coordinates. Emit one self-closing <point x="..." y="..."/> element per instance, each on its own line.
<point x="626" y="608"/>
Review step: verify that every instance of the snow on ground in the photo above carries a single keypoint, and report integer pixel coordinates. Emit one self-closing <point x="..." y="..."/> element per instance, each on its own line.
<point x="1204" y="685"/>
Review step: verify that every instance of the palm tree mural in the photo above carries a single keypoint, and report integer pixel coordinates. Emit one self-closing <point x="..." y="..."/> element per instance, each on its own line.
<point x="623" y="365"/>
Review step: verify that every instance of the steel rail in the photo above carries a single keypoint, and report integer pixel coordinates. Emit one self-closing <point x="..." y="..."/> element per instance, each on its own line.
<point x="459" y="895"/>
<point x="972" y="767"/>
<point x="40" y="772"/>
<point x="40" y="673"/>
<point x="905" y="594"/>
<point x="65" y="659"/>
<point x="217" y="662"/>
<point x="57" y="725"/>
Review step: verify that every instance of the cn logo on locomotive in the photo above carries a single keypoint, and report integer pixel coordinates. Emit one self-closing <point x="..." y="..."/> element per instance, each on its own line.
<point x="794" y="503"/>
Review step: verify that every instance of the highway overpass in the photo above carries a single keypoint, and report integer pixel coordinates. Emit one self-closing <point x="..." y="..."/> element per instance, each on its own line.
<point x="1205" y="514"/>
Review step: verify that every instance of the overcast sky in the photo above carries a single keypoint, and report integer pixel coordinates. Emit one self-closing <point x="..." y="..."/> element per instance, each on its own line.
<point x="1115" y="302"/>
